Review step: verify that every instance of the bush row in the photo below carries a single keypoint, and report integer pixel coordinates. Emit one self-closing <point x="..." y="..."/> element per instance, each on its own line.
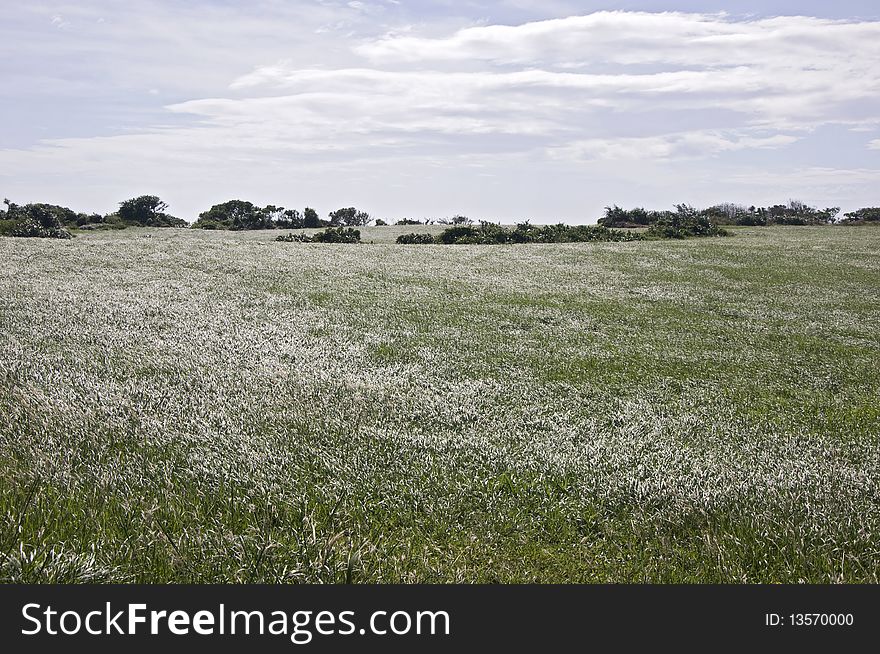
<point x="50" y="220"/>
<point x="329" y="235"/>
<point x="793" y="213"/>
<point x="685" y="223"/>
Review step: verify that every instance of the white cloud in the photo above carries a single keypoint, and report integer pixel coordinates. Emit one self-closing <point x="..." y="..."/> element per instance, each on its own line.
<point x="685" y="145"/>
<point x="793" y="69"/>
<point x="632" y="38"/>
<point x="295" y="93"/>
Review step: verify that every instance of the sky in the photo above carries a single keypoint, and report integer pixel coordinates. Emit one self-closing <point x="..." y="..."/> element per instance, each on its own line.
<point x="518" y="109"/>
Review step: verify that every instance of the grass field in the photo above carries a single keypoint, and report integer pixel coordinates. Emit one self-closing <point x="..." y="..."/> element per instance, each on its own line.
<point x="211" y="406"/>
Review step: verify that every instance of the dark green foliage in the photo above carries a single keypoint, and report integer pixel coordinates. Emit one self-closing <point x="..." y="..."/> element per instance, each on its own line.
<point x="751" y="218"/>
<point x="278" y="217"/>
<point x="416" y="239"/>
<point x="83" y="219"/>
<point x="338" y="235"/>
<point x="562" y="233"/>
<point x="729" y="213"/>
<point x="288" y="219"/>
<point x="147" y="211"/>
<point x="241" y="215"/>
<point x="311" y="219"/>
<point x="684" y="223"/>
<point x="329" y="235"/>
<point x="638" y="217"/>
<point x="380" y="223"/>
<point x="349" y="217"/>
<point x="32" y="220"/>
<point x="487" y="233"/>
<point x="235" y="215"/>
<point x="409" y="221"/>
<point x="793" y="213"/>
<point x="63" y="216"/>
<point x="294" y="238"/>
<point x="865" y="215"/>
<point x="798" y="213"/>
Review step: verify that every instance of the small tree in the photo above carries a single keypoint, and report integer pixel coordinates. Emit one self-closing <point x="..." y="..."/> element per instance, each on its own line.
<point x="311" y="219"/>
<point x="865" y="215"/>
<point x="147" y="211"/>
<point x="349" y="217"/>
<point x="233" y="214"/>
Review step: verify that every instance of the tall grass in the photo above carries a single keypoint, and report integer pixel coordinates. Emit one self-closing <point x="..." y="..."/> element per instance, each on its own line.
<point x="201" y="407"/>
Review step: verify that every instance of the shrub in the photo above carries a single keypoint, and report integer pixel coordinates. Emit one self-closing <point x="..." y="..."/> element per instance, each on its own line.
<point x="416" y="239"/>
<point x="49" y="216"/>
<point x="147" y="211"/>
<point x="338" y="235"/>
<point x="311" y="219"/>
<point x="294" y="238"/>
<point x="34" y="221"/>
<point x="493" y="234"/>
<point x="617" y="217"/>
<point x="329" y="235"/>
<point x="234" y="214"/>
<point x="485" y="234"/>
<point x="83" y="219"/>
<point x="685" y="222"/>
<point x="866" y="215"/>
<point x="349" y="217"/>
<point x="562" y="233"/>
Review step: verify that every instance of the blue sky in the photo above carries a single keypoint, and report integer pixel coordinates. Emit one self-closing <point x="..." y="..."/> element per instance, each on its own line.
<point x="547" y="110"/>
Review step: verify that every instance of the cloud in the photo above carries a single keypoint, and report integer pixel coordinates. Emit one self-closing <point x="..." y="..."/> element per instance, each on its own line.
<point x="633" y="38"/>
<point x="357" y="87"/>
<point x="791" y="68"/>
<point x="684" y="145"/>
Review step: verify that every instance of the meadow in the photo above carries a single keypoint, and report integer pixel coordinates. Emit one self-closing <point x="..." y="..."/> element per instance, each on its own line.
<point x="198" y="406"/>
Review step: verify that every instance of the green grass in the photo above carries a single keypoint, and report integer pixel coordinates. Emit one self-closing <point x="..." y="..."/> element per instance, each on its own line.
<point x="214" y="406"/>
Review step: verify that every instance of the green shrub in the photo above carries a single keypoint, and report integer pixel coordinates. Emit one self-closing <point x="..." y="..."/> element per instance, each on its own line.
<point x="235" y="215"/>
<point x="147" y="211"/>
<point x="416" y="239"/>
<point x="329" y="235"/>
<point x="492" y="234"/>
<point x="6" y="226"/>
<point x="618" y="217"/>
<point x="292" y="238"/>
<point x="684" y="223"/>
<point x="35" y="221"/>
<point x="865" y="215"/>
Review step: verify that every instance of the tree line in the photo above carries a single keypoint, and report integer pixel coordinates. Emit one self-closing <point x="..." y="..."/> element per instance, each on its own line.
<point x="793" y="213"/>
<point x="54" y="221"/>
